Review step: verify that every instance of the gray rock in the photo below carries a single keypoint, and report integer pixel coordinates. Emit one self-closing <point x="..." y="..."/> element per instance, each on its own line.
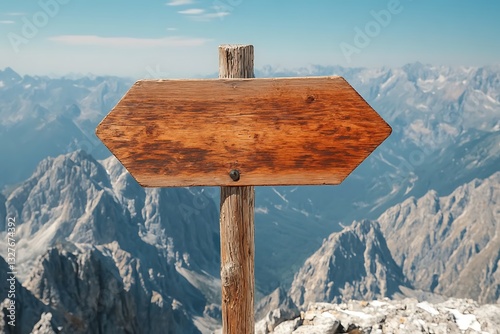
<point x="399" y="317"/>
<point x="318" y="323"/>
<point x="96" y="297"/>
<point x="274" y="309"/>
<point x="105" y="246"/>
<point x="287" y="326"/>
<point x="44" y="326"/>
<point x="27" y="308"/>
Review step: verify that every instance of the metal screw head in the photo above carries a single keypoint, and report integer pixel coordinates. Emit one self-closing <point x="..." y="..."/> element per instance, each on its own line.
<point x="235" y="175"/>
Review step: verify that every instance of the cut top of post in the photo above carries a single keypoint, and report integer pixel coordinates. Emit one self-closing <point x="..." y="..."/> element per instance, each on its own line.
<point x="236" y="61"/>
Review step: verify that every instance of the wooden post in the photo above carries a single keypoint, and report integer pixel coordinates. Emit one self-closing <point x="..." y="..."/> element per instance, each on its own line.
<point x="237" y="221"/>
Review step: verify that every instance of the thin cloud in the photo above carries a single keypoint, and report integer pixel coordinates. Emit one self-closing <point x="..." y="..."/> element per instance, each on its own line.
<point x="199" y="14"/>
<point x="128" y="41"/>
<point x="210" y="16"/>
<point x="179" y="2"/>
<point x="15" y="14"/>
<point x="7" y="22"/>
<point x="192" y="11"/>
<point x="171" y="29"/>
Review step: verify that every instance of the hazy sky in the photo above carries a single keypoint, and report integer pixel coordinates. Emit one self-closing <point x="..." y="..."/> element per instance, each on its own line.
<point x="179" y="38"/>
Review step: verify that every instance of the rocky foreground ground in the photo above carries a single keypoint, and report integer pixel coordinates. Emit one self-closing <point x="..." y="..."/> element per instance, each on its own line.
<point x="386" y="316"/>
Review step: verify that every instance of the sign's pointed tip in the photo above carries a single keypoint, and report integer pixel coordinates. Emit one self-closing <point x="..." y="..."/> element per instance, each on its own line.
<point x="388" y="129"/>
<point x="98" y="131"/>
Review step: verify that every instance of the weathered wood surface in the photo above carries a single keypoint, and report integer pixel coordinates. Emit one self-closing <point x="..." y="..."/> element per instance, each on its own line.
<point x="287" y="131"/>
<point x="236" y="61"/>
<point x="237" y="222"/>
<point x="237" y="259"/>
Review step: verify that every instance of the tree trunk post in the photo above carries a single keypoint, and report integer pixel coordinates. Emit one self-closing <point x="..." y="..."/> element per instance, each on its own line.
<point x="237" y="221"/>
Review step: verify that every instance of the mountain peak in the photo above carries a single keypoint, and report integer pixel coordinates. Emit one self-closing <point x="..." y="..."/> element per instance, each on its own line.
<point x="67" y="167"/>
<point x="354" y="263"/>
<point x="9" y="75"/>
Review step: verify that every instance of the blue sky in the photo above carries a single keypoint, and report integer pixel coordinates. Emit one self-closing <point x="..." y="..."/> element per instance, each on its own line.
<point x="179" y="38"/>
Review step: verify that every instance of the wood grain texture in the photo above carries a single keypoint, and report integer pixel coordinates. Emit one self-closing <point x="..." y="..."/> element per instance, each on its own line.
<point x="237" y="223"/>
<point x="237" y="259"/>
<point x="287" y="131"/>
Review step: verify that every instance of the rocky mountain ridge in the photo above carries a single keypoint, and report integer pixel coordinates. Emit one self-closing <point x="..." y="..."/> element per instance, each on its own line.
<point x="451" y="243"/>
<point x="433" y="245"/>
<point x="154" y="274"/>
<point x="93" y="244"/>
<point x="353" y="264"/>
<point x="445" y="245"/>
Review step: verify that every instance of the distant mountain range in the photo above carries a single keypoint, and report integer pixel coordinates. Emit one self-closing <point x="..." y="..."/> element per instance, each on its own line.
<point x="41" y="117"/>
<point x="425" y="205"/>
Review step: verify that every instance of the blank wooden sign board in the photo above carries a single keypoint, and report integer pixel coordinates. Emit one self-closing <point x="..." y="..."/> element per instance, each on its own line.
<point x="238" y="132"/>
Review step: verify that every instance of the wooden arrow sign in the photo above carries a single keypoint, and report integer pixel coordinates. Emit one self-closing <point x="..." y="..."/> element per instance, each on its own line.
<point x="238" y="132"/>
